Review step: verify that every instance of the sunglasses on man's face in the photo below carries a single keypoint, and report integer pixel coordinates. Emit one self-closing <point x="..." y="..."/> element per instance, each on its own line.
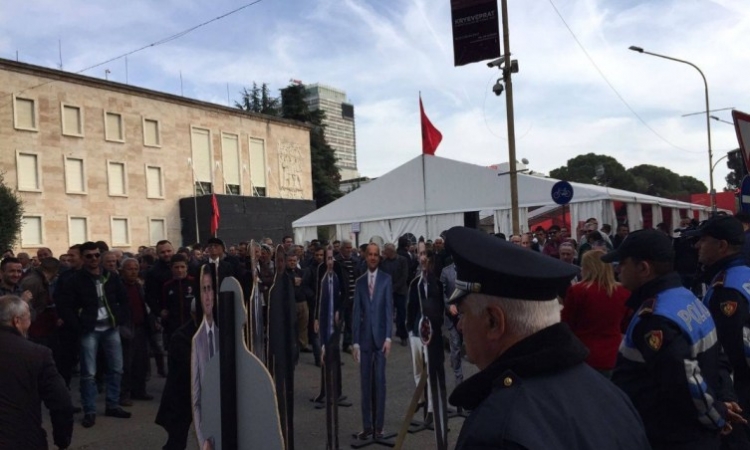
<point x="92" y="255"/>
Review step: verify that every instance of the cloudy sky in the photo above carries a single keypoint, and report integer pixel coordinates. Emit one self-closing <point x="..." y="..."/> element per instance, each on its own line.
<point x="384" y="52"/>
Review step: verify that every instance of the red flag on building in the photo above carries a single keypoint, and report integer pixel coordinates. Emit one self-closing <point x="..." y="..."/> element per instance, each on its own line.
<point x="431" y="137"/>
<point x="214" y="215"/>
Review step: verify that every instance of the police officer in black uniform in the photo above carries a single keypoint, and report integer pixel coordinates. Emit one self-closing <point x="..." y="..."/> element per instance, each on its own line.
<point x="534" y="390"/>
<point x="670" y="360"/>
<point x="720" y="244"/>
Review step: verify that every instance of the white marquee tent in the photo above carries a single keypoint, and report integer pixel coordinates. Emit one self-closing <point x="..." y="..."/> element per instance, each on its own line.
<point x="429" y="194"/>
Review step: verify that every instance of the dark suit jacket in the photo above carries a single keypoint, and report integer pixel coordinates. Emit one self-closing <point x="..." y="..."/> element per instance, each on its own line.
<point x="432" y="305"/>
<point x="329" y="303"/>
<point x="372" y="320"/>
<point x="28" y="377"/>
<point x="175" y="407"/>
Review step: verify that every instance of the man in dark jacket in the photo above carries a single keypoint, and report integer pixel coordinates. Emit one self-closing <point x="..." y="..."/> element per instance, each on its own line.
<point x="349" y="262"/>
<point x="155" y="278"/>
<point x="177" y="295"/>
<point x="28" y="378"/>
<point x="134" y="337"/>
<point x="94" y="300"/>
<point x="670" y="363"/>
<point x="301" y="293"/>
<point x="176" y="410"/>
<point x="720" y="244"/>
<point x="397" y="267"/>
<point x="534" y="390"/>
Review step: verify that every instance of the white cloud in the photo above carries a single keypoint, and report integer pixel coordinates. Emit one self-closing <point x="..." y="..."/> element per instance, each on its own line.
<point x="384" y="53"/>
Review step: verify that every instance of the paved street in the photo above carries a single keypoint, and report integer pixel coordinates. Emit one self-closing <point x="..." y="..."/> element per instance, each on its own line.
<point x="140" y="432"/>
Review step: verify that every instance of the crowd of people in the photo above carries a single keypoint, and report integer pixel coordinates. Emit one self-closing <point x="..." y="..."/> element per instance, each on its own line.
<point x="672" y="337"/>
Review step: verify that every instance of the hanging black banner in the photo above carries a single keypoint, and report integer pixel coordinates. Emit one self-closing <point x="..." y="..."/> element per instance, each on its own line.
<point x="476" y="34"/>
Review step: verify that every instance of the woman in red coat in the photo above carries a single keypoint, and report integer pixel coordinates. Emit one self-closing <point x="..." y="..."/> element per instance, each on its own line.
<point x="594" y="309"/>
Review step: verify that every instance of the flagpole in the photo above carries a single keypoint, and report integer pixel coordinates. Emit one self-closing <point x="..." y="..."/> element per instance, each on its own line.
<point x="424" y="199"/>
<point x="195" y="201"/>
<point x="424" y="178"/>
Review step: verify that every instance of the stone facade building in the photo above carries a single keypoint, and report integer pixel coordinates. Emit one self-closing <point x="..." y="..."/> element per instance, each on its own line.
<point x="99" y="160"/>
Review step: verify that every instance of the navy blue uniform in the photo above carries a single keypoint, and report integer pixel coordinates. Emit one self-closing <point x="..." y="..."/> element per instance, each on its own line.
<point x="670" y="366"/>
<point x="728" y="300"/>
<point x="540" y="394"/>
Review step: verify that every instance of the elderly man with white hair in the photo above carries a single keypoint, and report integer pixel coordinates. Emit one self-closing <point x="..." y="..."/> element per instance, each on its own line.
<point x="28" y="378"/>
<point x="534" y="390"/>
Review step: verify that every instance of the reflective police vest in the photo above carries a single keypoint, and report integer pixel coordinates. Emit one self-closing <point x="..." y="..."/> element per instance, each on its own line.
<point x="681" y="307"/>
<point x="737" y="278"/>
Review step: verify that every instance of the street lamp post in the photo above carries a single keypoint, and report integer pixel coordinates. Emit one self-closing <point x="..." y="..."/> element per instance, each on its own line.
<point x="708" y="118"/>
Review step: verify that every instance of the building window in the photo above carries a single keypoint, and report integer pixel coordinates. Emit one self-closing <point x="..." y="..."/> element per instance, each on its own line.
<point x="347" y="111"/>
<point x="24" y="114"/>
<point x="230" y="156"/>
<point x="72" y="120"/>
<point x="154" y="182"/>
<point x="75" y="176"/>
<point x="78" y="230"/>
<point x="28" y="175"/>
<point x="258" y="167"/>
<point x="202" y="161"/>
<point x="157" y="230"/>
<point x="113" y="127"/>
<point x="120" y="232"/>
<point x="151" y="133"/>
<point x="31" y="231"/>
<point x="117" y="179"/>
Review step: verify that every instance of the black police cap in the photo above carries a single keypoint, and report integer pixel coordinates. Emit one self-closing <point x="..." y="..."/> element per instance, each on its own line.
<point x="723" y="228"/>
<point x="645" y="245"/>
<point x="487" y="265"/>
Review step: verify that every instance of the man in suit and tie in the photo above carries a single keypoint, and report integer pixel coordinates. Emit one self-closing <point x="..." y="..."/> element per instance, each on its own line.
<point x="205" y="346"/>
<point x="372" y="327"/>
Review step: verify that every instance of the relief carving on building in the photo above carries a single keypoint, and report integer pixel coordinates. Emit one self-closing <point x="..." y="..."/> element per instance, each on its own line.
<point x="290" y="170"/>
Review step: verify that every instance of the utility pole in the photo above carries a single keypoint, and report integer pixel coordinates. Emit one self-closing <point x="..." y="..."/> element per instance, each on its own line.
<point x="511" y="122"/>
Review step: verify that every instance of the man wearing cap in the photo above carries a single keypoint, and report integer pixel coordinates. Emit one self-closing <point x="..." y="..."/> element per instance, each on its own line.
<point x="669" y="361"/>
<point x="226" y="265"/>
<point x="720" y="242"/>
<point x="534" y="390"/>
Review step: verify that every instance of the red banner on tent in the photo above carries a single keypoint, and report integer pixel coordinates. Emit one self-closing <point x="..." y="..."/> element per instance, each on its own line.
<point x="214" y="215"/>
<point x="431" y="137"/>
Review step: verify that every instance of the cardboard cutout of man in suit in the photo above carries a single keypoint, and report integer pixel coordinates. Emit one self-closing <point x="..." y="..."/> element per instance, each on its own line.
<point x="372" y="327"/>
<point x="205" y="347"/>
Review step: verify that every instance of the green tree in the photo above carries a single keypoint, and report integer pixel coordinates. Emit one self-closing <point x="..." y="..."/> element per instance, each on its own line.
<point x="737" y="169"/>
<point x="259" y="100"/>
<point x="658" y="181"/>
<point x="692" y="185"/>
<point x="11" y="212"/>
<point x="662" y="182"/>
<point x="596" y="169"/>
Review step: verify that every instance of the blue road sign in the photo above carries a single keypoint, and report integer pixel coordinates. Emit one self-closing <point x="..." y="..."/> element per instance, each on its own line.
<point x="562" y="193"/>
